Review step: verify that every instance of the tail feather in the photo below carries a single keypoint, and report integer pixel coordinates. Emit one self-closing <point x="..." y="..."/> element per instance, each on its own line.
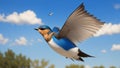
<point x="82" y="54"/>
<point x="80" y="59"/>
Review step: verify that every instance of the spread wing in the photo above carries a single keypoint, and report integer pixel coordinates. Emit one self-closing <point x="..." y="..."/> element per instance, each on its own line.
<point x="80" y="25"/>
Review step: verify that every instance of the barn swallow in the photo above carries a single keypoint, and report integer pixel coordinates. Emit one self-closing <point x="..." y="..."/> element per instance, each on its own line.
<point x="79" y="26"/>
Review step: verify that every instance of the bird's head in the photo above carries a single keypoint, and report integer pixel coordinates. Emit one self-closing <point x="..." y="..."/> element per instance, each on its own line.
<point x="43" y="29"/>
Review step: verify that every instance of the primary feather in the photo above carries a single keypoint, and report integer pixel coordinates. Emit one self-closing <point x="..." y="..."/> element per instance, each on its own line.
<point x="80" y="25"/>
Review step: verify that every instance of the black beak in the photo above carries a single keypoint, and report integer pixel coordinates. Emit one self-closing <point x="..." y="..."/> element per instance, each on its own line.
<point x="36" y="29"/>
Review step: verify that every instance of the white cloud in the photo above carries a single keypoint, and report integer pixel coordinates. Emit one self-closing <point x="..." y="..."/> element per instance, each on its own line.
<point x="3" y="40"/>
<point x="20" y="41"/>
<point x="26" y="17"/>
<point x="115" y="47"/>
<point x="103" y="51"/>
<point x="109" y="29"/>
<point x="116" y="6"/>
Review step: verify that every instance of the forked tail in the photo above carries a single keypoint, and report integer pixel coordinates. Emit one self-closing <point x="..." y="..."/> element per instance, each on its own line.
<point x="82" y="54"/>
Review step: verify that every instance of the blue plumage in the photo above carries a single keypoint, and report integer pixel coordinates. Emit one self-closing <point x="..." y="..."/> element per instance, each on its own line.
<point x="64" y="43"/>
<point x="44" y="26"/>
<point x="56" y="30"/>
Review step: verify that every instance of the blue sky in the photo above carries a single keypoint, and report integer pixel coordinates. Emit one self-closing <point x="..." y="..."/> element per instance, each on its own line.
<point x="18" y="18"/>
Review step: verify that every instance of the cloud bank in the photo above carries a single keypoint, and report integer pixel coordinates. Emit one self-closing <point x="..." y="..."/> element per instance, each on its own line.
<point x="108" y="29"/>
<point x="26" y="17"/>
<point x="3" y="40"/>
<point x="21" y="41"/>
<point x="115" y="47"/>
<point x="116" y="6"/>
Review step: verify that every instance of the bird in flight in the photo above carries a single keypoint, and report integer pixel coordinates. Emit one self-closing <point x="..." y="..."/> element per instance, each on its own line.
<point x="79" y="26"/>
<point x="51" y="13"/>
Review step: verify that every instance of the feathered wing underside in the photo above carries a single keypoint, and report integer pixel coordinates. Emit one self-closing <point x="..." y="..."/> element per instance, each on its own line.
<point x="80" y="25"/>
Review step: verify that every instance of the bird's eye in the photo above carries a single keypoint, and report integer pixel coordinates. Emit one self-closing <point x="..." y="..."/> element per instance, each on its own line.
<point x="42" y="29"/>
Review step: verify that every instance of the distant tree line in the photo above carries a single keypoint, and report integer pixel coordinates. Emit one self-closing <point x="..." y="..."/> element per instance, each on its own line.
<point x="82" y="66"/>
<point x="10" y="60"/>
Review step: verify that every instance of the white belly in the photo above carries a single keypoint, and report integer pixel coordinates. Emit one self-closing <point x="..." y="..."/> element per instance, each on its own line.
<point x="72" y="53"/>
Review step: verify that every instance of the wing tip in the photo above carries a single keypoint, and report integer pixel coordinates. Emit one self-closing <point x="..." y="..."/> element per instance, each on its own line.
<point x="81" y="5"/>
